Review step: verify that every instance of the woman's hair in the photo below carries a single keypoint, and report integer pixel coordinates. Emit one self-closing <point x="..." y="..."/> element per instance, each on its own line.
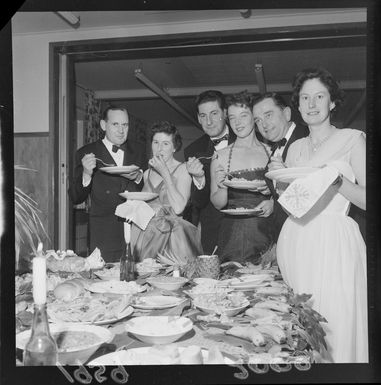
<point x="169" y="129"/>
<point x="336" y="94"/>
<point x="243" y="99"/>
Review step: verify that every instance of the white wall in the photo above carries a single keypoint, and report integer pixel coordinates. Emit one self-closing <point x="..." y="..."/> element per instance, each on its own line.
<point x="31" y="54"/>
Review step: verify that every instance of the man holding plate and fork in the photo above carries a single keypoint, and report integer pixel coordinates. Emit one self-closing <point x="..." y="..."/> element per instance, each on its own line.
<point x="103" y="169"/>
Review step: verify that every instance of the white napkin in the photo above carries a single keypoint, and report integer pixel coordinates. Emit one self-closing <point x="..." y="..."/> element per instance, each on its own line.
<point x="138" y="212"/>
<point x="303" y="193"/>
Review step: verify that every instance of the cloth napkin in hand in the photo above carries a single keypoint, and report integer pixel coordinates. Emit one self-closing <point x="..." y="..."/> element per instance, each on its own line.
<point x="138" y="212"/>
<point x="303" y="193"/>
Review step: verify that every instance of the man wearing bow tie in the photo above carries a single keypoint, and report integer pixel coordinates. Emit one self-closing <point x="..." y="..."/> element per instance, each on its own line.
<point x="105" y="228"/>
<point x="211" y="115"/>
<point x="272" y="117"/>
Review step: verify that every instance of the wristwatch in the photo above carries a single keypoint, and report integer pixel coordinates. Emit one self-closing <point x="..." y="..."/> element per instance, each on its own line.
<point x="338" y="181"/>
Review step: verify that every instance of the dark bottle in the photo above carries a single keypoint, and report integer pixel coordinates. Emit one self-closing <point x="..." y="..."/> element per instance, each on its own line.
<point x="41" y="349"/>
<point x="127" y="265"/>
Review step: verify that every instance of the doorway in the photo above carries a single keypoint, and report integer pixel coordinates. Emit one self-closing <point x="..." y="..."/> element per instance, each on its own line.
<point x="149" y="48"/>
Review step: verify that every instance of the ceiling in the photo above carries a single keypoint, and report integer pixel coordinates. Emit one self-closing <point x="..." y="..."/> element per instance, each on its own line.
<point x="183" y="77"/>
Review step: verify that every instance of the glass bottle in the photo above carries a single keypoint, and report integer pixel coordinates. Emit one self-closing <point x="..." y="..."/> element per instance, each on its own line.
<point x="41" y="349"/>
<point x="127" y="265"/>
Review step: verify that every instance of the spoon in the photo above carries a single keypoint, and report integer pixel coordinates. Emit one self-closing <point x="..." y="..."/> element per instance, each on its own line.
<point x="214" y="156"/>
<point x="106" y="164"/>
<point x="214" y="250"/>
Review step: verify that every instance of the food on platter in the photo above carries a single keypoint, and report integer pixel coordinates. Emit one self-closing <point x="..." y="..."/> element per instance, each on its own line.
<point x="110" y="272"/>
<point x="88" y="308"/>
<point x="265" y="315"/>
<point x="156" y="301"/>
<point x="273" y="331"/>
<point x="201" y="290"/>
<point x="249" y="333"/>
<point x="271" y="290"/>
<point x="273" y="305"/>
<point x="70" y="289"/>
<point x="75" y="342"/>
<point x="241" y="211"/>
<point x="147" y="266"/>
<point x="23" y="283"/>
<point x="67" y="261"/>
<point x="116" y="287"/>
<point x="221" y="303"/>
<point x="167" y="282"/>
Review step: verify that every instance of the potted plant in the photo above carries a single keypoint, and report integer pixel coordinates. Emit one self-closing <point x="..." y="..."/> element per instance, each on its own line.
<point x="29" y="230"/>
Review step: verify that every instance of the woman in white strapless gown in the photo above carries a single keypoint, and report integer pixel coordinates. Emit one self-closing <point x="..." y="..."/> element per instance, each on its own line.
<point x="323" y="252"/>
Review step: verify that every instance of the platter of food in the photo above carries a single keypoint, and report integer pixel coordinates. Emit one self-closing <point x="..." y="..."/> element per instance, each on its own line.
<point x="139" y="195"/>
<point x="289" y="174"/>
<point x="90" y="309"/>
<point x="156" y="302"/>
<point x="241" y="211"/>
<point x="245" y="184"/>
<point x="111" y="272"/>
<point x="116" y="287"/>
<point x="119" y="169"/>
<point x="163" y="355"/>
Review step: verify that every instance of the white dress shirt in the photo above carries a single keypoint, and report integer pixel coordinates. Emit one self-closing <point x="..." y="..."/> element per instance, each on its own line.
<point x="279" y="151"/>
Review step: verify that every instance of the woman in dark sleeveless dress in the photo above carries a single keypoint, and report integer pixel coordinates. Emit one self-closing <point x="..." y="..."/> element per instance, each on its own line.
<point x="243" y="238"/>
<point x="169" y="178"/>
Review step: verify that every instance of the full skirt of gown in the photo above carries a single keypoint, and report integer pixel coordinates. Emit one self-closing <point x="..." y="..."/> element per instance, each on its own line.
<point x="324" y="254"/>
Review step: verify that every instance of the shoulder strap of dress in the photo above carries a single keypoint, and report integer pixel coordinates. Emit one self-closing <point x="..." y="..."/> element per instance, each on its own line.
<point x="150" y="183"/>
<point x="230" y="156"/>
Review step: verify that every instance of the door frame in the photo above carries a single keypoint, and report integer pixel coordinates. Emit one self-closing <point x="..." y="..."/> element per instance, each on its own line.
<point x="152" y="46"/>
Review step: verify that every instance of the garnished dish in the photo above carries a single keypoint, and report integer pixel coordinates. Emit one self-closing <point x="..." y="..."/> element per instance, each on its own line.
<point x="110" y="272"/>
<point x="156" y="302"/>
<point x="116" y="287"/>
<point x="244" y="184"/>
<point x="148" y="266"/>
<point x="228" y="303"/>
<point x="241" y="211"/>
<point x="91" y="309"/>
<point x="74" y="342"/>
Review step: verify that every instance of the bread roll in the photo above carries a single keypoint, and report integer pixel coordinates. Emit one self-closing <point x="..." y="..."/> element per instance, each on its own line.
<point x="69" y="290"/>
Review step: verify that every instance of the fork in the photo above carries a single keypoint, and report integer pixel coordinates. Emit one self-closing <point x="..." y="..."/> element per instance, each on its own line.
<point x="106" y="164"/>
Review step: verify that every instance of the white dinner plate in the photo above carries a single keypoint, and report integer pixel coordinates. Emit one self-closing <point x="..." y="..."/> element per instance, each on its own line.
<point x="139" y="196"/>
<point x="116" y="287"/>
<point x="125" y="313"/>
<point x="141" y="356"/>
<point x="240" y="211"/>
<point x="289" y="174"/>
<point x="245" y="184"/>
<point x="119" y="169"/>
<point x="157" y="302"/>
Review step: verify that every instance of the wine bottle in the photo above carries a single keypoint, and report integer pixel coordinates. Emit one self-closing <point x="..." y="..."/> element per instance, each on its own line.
<point x="127" y="265"/>
<point x="41" y="349"/>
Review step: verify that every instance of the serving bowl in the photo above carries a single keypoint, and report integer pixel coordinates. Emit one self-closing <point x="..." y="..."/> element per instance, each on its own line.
<point x="228" y="311"/>
<point x="167" y="282"/>
<point x="158" y="330"/>
<point x="75" y="343"/>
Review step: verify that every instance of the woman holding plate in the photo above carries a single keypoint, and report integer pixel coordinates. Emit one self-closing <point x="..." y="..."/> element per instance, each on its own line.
<point x="323" y="253"/>
<point x="169" y="178"/>
<point x="238" y="188"/>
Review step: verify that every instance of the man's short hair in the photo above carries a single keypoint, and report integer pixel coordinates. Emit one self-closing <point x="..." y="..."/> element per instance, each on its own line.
<point x="112" y="107"/>
<point x="278" y="100"/>
<point x="211" y="96"/>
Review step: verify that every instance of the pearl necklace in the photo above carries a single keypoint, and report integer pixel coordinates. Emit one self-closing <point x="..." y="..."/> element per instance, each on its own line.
<point x="317" y="145"/>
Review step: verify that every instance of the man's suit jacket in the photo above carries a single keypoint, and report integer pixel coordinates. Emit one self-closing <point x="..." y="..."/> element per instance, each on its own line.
<point x="280" y="216"/>
<point x="105" y="229"/>
<point x="203" y="210"/>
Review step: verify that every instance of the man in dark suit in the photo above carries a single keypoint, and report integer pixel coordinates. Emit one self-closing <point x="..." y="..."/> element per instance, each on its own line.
<point x="105" y="228"/>
<point x="272" y="117"/>
<point x="211" y="114"/>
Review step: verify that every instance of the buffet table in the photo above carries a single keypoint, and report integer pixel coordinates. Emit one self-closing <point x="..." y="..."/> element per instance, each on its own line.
<point x="267" y="305"/>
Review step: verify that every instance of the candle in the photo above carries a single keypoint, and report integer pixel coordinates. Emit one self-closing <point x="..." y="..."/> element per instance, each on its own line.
<point x="127" y="232"/>
<point x="39" y="280"/>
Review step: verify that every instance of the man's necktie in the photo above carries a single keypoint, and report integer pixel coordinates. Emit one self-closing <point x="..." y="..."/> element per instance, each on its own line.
<point x="115" y="148"/>
<point x="219" y="140"/>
